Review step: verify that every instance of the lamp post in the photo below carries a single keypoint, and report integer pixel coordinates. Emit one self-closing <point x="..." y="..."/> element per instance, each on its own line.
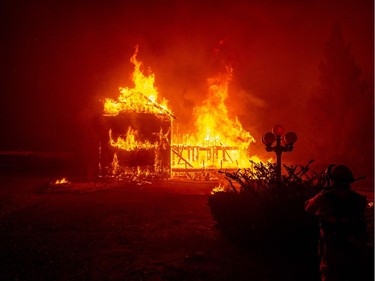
<point x="284" y="143"/>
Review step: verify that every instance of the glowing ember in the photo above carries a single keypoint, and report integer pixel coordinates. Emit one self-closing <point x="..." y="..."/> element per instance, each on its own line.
<point x="142" y="98"/>
<point x="217" y="189"/>
<point x="61" y="181"/>
<point x="115" y="165"/>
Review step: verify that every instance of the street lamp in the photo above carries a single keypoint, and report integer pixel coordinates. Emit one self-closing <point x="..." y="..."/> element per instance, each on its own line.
<point x="284" y="143"/>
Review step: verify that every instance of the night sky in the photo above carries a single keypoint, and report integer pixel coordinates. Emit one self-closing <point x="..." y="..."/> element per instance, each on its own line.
<point x="60" y="58"/>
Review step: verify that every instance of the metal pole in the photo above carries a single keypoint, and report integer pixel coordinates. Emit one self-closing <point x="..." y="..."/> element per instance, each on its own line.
<point x="276" y="135"/>
<point x="278" y="150"/>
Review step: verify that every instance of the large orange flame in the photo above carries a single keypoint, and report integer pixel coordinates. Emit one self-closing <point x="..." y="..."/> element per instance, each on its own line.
<point x="218" y="137"/>
<point x="143" y="97"/>
<point x="212" y="121"/>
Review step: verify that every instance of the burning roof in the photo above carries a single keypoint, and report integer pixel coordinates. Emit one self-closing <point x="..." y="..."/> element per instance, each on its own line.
<point x="142" y="98"/>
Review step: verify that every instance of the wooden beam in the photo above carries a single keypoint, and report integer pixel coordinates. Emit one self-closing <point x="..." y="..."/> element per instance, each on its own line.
<point x="182" y="158"/>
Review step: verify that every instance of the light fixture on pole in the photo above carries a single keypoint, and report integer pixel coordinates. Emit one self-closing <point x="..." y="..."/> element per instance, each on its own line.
<point x="284" y="143"/>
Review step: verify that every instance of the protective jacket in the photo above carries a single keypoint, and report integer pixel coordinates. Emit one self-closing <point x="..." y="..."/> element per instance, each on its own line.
<point x="343" y="232"/>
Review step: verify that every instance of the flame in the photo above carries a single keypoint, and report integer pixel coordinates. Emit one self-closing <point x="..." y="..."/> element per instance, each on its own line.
<point x="62" y="181"/>
<point x="219" y="188"/>
<point x="115" y="165"/>
<point x="218" y="141"/>
<point x="213" y="123"/>
<point x="130" y="143"/>
<point x="221" y="138"/>
<point x="143" y="97"/>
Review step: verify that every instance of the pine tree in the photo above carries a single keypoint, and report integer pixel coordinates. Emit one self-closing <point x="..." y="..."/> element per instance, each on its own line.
<point x="341" y="108"/>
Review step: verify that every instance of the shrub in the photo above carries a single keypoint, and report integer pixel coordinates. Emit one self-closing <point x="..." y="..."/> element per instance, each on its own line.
<point x="254" y="209"/>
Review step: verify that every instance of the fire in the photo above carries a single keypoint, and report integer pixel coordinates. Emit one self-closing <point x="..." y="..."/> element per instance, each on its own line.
<point x="219" y="140"/>
<point x="216" y="189"/>
<point x="142" y="98"/>
<point x="61" y="181"/>
<point x="115" y="165"/>
<point x="213" y="123"/>
<point x="123" y="139"/>
<point x="130" y="143"/>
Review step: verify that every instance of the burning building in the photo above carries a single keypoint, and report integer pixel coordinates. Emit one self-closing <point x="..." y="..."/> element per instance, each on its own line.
<point x="135" y="132"/>
<point x="140" y="135"/>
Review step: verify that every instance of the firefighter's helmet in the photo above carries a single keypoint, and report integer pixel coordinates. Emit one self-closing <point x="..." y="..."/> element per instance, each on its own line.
<point x="341" y="173"/>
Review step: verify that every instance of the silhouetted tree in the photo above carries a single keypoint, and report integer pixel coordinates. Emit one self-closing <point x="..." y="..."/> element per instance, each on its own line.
<point x="341" y="108"/>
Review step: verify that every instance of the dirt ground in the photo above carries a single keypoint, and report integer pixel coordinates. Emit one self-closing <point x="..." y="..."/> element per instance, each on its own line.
<point x="116" y="231"/>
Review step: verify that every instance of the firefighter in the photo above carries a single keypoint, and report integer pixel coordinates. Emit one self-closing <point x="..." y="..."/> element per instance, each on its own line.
<point x="343" y="232"/>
